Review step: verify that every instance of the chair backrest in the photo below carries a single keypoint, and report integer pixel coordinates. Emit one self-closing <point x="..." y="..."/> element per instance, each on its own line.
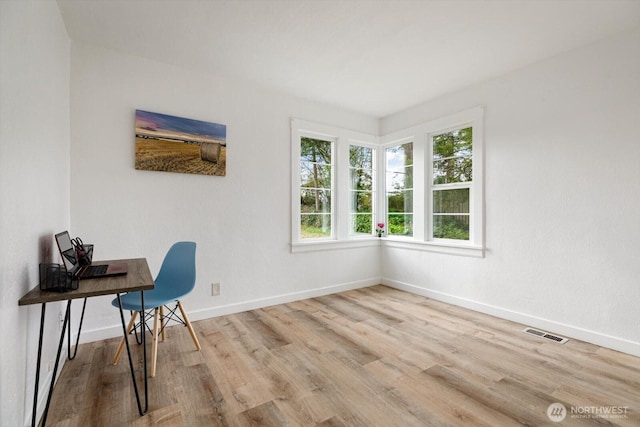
<point x="177" y="276"/>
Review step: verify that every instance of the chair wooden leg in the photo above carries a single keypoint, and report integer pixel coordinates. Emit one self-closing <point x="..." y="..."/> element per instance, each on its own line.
<point x="191" y="331"/>
<point x="121" y="346"/>
<point x="162" y="322"/>
<point x="154" y="350"/>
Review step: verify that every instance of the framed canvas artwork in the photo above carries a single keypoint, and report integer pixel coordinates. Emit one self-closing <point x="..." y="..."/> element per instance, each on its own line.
<point x="175" y="144"/>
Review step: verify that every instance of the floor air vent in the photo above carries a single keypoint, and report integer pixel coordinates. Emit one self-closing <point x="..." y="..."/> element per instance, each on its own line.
<point x="546" y="335"/>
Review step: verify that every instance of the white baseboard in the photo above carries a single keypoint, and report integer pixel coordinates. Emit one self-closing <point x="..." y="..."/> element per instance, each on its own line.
<point x="614" y="343"/>
<point x="280" y="299"/>
<point x="98" y="334"/>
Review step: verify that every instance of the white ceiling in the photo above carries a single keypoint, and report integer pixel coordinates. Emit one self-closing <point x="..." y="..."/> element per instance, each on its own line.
<point x="374" y="57"/>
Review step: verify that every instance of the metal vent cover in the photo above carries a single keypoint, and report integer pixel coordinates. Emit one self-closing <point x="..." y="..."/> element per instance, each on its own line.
<point x="546" y="335"/>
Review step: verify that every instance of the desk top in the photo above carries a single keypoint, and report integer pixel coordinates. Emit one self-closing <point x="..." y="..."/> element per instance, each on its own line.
<point x="138" y="278"/>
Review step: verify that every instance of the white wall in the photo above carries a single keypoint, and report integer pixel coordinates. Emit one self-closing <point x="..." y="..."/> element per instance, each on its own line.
<point x="562" y="180"/>
<point x="34" y="188"/>
<point x="241" y="222"/>
<point x="562" y="162"/>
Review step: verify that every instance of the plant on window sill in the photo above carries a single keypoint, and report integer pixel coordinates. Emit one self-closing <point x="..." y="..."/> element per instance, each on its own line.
<point x="380" y="229"/>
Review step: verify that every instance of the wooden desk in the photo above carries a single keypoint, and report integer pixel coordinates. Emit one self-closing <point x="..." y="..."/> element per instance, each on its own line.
<point x="138" y="278"/>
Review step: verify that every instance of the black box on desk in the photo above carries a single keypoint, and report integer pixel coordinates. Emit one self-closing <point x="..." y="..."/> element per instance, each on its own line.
<point x="54" y="277"/>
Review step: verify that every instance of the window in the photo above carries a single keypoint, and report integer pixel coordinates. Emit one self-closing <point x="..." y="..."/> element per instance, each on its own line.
<point x="399" y="189"/>
<point x="452" y="172"/>
<point x="316" y="188"/>
<point x="429" y="192"/>
<point x="333" y="190"/>
<point x="434" y="185"/>
<point x="361" y="194"/>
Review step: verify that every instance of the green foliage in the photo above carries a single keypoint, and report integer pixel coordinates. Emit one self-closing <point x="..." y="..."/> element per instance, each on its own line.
<point x="361" y="224"/>
<point x="315" y="183"/>
<point x="452" y="163"/>
<point x="361" y="174"/>
<point x="400" y="224"/>
<point x="452" y="156"/>
<point x="401" y="201"/>
<point x="360" y="157"/>
<point x="451" y="227"/>
<point x="307" y="232"/>
<point x="315" y="163"/>
<point x="314" y="226"/>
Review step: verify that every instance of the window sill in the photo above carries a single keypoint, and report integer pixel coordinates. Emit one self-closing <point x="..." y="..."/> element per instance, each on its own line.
<point x="439" y="247"/>
<point x="329" y="245"/>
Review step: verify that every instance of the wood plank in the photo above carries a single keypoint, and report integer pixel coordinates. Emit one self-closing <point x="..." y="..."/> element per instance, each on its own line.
<point x="367" y="357"/>
<point x="138" y="278"/>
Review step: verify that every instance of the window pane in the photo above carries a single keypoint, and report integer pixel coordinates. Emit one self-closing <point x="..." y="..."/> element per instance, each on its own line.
<point x="315" y="225"/>
<point x="399" y="156"/>
<point x="315" y="187"/>
<point x="452" y="163"/>
<point x="399" y="186"/>
<point x="400" y="224"/>
<point x="361" y="179"/>
<point x="401" y="201"/>
<point x="452" y="157"/>
<point x="361" y="224"/>
<point x="451" y="201"/>
<point x="452" y="170"/>
<point x="315" y="150"/>
<point x="360" y="157"/>
<point x="314" y="175"/>
<point x="315" y="201"/>
<point x="361" y="174"/>
<point x="361" y="202"/>
<point x="451" y="227"/>
<point x="442" y="146"/>
<point x="397" y="181"/>
<point x="457" y="143"/>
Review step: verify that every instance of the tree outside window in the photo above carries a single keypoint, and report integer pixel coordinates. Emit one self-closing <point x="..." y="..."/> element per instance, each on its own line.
<point x="315" y="188"/>
<point x="399" y="186"/>
<point x="452" y="176"/>
<point x="361" y="174"/>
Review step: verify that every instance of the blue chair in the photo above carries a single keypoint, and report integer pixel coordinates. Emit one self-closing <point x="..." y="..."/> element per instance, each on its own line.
<point x="177" y="277"/>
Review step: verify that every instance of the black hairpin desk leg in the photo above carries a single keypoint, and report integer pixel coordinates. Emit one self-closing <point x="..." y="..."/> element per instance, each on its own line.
<point x="55" y="366"/>
<point x="35" y="391"/>
<point x="144" y="355"/>
<point x="75" y="350"/>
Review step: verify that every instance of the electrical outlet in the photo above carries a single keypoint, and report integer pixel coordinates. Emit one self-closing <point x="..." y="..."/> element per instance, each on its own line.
<point x="215" y="289"/>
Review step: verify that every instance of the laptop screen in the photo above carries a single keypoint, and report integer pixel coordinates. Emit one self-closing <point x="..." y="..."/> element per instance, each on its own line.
<point x="67" y="251"/>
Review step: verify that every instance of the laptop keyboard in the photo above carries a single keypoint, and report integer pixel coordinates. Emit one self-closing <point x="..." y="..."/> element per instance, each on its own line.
<point x="94" y="270"/>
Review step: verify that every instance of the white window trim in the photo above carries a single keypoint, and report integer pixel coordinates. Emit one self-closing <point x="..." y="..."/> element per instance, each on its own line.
<point x="376" y="174"/>
<point x="422" y="170"/>
<point x="340" y="237"/>
<point x="384" y="208"/>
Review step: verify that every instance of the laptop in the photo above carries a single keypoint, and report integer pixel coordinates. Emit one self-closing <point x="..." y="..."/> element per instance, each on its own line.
<point x="68" y="254"/>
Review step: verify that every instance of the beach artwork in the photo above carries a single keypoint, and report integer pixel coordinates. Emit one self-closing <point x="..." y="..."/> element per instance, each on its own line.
<point x="175" y="144"/>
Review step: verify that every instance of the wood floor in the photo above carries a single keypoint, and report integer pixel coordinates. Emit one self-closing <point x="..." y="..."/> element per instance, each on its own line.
<point x="369" y="357"/>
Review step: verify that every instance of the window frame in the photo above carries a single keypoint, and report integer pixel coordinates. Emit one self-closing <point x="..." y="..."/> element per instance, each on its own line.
<point x="433" y="188"/>
<point x="340" y="188"/>
<point x="423" y="185"/>
<point x="331" y="189"/>
<point x="375" y="148"/>
<point x="421" y="137"/>
<point x="385" y="211"/>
